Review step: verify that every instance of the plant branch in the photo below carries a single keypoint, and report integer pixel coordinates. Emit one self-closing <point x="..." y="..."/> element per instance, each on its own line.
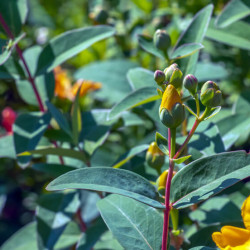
<point x="172" y="137"/>
<point x="20" y="53"/>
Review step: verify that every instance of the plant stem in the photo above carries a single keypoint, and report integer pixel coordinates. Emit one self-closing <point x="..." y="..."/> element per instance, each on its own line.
<point x="196" y="123"/>
<point x="172" y="137"/>
<point x="20" y="53"/>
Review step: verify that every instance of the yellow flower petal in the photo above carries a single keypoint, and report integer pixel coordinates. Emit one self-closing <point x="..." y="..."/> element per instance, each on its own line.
<point x="86" y="87"/>
<point x="245" y="213"/>
<point x="170" y="98"/>
<point x="232" y="238"/>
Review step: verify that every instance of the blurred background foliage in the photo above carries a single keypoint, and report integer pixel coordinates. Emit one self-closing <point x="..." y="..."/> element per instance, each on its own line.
<point x="111" y="62"/>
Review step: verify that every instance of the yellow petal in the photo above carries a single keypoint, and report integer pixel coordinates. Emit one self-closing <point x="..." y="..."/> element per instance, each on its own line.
<point x="232" y="238"/>
<point x="154" y="150"/>
<point x="245" y="213"/>
<point x="86" y="86"/>
<point x="170" y="98"/>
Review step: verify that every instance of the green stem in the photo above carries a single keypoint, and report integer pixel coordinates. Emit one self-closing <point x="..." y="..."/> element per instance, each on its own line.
<point x="197" y="105"/>
<point x="172" y="135"/>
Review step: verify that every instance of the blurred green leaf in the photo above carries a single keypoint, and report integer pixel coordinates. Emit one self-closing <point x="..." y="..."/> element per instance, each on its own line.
<point x="186" y="50"/>
<point x="134" y="99"/>
<point x="11" y="70"/>
<point x="130" y="154"/>
<point x="68" y="44"/>
<point x="182" y="159"/>
<point x="204" y="69"/>
<point x="135" y="225"/>
<point x="76" y="118"/>
<point x="145" y="5"/>
<point x="60" y="119"/>
<point x="28" y="130"/>
<point x="52" y="169"/>
<point x="108" y="180"/>
<point x="234" y="11"/>
<point x="202" y="248"/>
<point x="162" y="143"/>
<point x="112" y="75"/>
<point x="7" y="148"/>
<point x="148" y="45"/>
<point x="45" y="83"/>
<point x="53" y="213"/>
<point x="236" y="35"/>
<point x="14" y="13"/>
<point x="203" y="178"/>
<point x="139" y="78"/>
<point x="56" y="151"/>
<point x="194" y="34"/>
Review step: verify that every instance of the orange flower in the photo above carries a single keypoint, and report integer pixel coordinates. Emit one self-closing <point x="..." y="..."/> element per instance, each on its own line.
<point x="64" y="89"/>
<point x="235" y="238"/>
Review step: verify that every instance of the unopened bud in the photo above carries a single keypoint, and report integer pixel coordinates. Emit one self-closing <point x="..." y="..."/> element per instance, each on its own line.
<point x="154" y="157"/>
<point x="100" y="15"/>
<point x="190" y="82"/>
<point x="159" y="77"/>
<point x="161" y="182"/>
<point x="171" y="111"/>
<point x="210" y="94"/>
<point x="162" y="40"/>
<point x="174" y="76"/>
<point x="8" y="118"/>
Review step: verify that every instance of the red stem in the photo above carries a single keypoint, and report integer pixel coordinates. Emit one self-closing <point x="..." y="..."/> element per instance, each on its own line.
<point x="20" y="53"/>
<point x="197" y="122"/>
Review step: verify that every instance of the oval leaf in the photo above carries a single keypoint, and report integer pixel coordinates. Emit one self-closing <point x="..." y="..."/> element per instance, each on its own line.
<point x="68" y="44"/>
<point x="134" y="99"/>
<point x="162" y="143"/>
<point x="208" y="176"/>
<point x="109" y="180"/>
<point x="135" y="225"/>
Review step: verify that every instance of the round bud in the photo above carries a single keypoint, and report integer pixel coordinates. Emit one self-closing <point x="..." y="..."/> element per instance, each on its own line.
<point x="190" y="82"/>
<point x="210" y="94"/>
<point x="154" y="157"/>
<point x="162" y="40"/>
<point x="173" y="75"/>
<point x="161" y="182"/>
<point x="159" y="77"/>
<point x="100" y="15"/>
<point x="8" y="118"/>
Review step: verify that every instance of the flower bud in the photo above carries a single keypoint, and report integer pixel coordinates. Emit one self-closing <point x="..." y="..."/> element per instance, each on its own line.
<point x="162" y="40"/>
<point x="171" y="112"/>
<point x="210" y="94"/>
<point x="154" y="157"/>
<point x="174" y="76"/>
<point x="161" y="182"/>
<point x="99" y="15"/>
<point x="159" y="77"/>
<point x="190" y="82"/>
<point x="8" y="119"/>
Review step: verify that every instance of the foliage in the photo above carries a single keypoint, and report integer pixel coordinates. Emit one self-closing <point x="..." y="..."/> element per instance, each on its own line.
<point x="99" y="152"/>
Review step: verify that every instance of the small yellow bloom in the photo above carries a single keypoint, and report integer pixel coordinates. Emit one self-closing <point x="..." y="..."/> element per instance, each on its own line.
<point x="64" y="89"/>
<point x="235" y="238"/>
<point x="170" y="98"/>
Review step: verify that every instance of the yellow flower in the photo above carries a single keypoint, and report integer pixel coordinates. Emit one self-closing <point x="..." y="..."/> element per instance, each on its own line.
<point x="170" y="98"/>
<point x="235" y="238"/>
<point x="64" y="89"/>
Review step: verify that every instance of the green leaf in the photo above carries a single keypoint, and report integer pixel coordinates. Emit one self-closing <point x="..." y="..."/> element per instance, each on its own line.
<point x="112" y="75"/>
<point x="186" y="50"/>
<point x="135" y="225"/>
<point x="130" y="154"/>
<point x="68" y="44"/>
<point x="234" y="11"/>
<point x="28" y="130"/>
<point x="213" y="112"/>
<point x="162" y="143"/>
<point x="134" y="99"/>
<point x="194" y="34"/>
<point x="232" y="127"/>
<point x="236" y="35"/>
<point x="148" y="45"/>
<point x="45" y="84"/>
<point x="181" y="159"/>
<point x="208" y="176"/>
<point x="7" y="148"/>
<point x="201" y="248"/>
<point x="108" y="180"/>
<point x="60" y="119"/>
<point x="204" y="69"/>
<point x="146" y="5"/>
<point x="14" y="13"/>
<point x="140" y="77"/>
<point x="53" y="213"/>
<point x="11" y="70"/>
<point x="56" y="151"/>
<point x="52" y="169"/>
<point x="76" y="119"/>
